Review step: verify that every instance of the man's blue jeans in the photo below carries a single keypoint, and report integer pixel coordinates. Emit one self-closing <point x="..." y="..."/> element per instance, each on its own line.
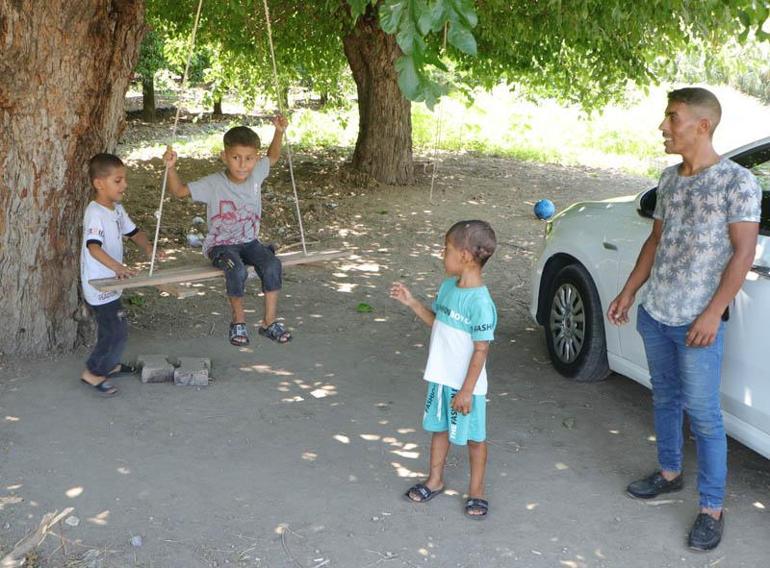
<point x="687" y="379"/>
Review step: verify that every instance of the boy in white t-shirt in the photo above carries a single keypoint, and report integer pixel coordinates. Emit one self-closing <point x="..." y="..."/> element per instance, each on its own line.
<point x="101" y="256"/>
<point x="463" y="319"/>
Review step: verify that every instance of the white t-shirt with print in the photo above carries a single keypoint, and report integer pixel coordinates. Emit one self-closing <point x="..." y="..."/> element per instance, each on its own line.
<point x="108" y="226"/>
<point x="234" y="210"/>
<point x="463" y="316"/>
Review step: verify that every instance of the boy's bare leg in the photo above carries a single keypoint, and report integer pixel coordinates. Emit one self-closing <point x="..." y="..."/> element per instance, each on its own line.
<point x="477" y="453"/>
<point x="271" y="307"/>
<point x="236" y="304"/>
<point x="439" y="448"/>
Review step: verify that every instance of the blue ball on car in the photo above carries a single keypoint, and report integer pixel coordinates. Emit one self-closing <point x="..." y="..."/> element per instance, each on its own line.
<point x="544" y="209"/>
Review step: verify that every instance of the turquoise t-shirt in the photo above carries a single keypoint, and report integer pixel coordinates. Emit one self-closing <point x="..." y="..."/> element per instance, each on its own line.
<point x="463" y="315"/>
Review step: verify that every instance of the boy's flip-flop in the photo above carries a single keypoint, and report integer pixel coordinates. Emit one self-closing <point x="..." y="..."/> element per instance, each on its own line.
<point x="423" y="491"/>
<point x="239" y="334"/>
<point x="122" y="369"/>
<point x="476" y="508"/>
<point x="276" y="331"/>
<point x="105" y="388"/>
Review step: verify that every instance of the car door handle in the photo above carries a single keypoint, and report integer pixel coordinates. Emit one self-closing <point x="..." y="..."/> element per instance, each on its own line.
<point x="763" y="271"/>
<point x="609" y="246"/>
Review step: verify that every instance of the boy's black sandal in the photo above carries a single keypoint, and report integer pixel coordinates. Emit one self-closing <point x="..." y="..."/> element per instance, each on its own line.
<point x="476" y="508"/>
<point x="105" y="388"/>
<point x="239" y="334"/>
<point x="423" y="491"/>
<point x="276" y="331"/>
<point x="123" y="370"/>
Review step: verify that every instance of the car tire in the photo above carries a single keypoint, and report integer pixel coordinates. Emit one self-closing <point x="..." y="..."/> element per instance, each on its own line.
<point x="574" y="326"/>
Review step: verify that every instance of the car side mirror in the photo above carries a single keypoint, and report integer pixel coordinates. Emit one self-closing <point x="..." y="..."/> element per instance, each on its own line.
<point x="645" y="202"/>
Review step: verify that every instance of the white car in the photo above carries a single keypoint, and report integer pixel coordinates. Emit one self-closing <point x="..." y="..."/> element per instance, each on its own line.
<point x="588" y="252"/>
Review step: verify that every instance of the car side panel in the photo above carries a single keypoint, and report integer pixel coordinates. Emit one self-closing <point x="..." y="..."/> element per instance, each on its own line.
<point x="585" y="229"/>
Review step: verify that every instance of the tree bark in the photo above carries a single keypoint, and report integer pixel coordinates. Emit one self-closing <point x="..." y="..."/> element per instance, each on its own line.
<point x="148" y="99"/>
<point x="218" y="107"/>
<point x="64" y="72"/>
<point x="384" y="144"/>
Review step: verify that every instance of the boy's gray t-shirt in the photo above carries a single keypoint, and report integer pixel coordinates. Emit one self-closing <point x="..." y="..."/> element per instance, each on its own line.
<point x="695" y="246"/>
<point x="234" y="210"/>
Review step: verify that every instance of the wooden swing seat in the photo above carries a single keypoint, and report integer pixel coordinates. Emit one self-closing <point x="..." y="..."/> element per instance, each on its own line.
<point x="163" y="279"/>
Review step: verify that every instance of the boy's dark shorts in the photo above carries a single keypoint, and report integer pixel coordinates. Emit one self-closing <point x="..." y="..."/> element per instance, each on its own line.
<point x="234" y="259"/>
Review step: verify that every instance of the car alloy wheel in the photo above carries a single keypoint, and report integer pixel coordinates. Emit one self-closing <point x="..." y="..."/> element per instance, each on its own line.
<point x="566" y="322"/>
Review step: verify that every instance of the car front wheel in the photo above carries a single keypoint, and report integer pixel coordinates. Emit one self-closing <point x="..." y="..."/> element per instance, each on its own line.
<point x="574" y="327"/>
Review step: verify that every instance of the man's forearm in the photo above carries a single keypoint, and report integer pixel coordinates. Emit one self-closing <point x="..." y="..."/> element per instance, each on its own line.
<point x="732" y="279"/>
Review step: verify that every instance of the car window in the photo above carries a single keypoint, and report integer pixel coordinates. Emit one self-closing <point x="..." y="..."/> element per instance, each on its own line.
<point x="762" y="172"/>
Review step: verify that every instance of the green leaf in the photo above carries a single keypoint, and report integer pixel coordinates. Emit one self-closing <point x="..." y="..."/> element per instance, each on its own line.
<point x="407" y="37"/>
<point x="363" y="308"/>
<point x="466" y="11"/>
<point x="391" y="13"/>
<point x="744" y="18"/>
<point x="358" y="7"/>
<point x="462" y="38"/>
<point x="408" y="78"/>
<point x="425" y="22"/>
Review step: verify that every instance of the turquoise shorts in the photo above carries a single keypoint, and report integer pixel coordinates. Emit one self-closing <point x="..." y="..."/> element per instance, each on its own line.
<point x="439" y="416"/>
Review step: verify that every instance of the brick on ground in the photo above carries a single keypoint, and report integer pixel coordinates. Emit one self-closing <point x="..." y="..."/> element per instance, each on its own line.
<point x="155" y="368"/>
<point x="192" y="371"/>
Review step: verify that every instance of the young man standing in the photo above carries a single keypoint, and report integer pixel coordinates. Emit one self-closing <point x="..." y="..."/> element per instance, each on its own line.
<point x="694" y="262"/>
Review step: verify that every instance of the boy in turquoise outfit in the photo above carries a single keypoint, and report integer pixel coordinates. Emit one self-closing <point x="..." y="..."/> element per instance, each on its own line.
<point x="463" y="320"/>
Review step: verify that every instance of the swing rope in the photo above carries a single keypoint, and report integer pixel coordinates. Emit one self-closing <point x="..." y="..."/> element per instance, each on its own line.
<point x="286" y="138"/>
<point x="159" y="212"/>
<point x="436" y="143"/>
<point x="437" y="138"/>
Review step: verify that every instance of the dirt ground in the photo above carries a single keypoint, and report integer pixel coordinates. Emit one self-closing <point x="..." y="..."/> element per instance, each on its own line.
<point x="298" y="455"/>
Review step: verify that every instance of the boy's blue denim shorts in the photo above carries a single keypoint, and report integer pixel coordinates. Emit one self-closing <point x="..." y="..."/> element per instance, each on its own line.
<point x="439" y="416"/>
<point x="234" y="259"/>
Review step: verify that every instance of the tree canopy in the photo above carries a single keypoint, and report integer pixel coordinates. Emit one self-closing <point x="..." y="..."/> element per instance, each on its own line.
<point x="575" y="50"/>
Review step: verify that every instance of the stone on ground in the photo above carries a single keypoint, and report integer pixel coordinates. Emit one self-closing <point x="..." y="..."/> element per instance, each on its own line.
<point x="155" y="368"/>
<point x="192" y="371"/>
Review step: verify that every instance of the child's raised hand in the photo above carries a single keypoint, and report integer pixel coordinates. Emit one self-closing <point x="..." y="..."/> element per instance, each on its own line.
<point x="280" y="122"/>
<point x="170" y="157"/>
<point x="401" y="293"/>
<point x="463" y="402"/>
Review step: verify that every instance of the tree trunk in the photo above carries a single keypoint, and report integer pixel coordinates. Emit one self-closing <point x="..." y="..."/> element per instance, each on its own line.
<point x="384" y="144"/>
<point x="148" y="99"/>
<point x="65" y="69"/>
<point x="218" y="107"/>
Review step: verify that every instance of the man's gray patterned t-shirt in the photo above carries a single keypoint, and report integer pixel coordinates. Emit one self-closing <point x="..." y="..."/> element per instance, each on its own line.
<point x="695" y="246"/>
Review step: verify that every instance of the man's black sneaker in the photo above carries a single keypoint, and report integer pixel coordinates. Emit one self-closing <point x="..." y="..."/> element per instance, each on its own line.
<point x="706" y="533"/>
<point x="654" y="485"/>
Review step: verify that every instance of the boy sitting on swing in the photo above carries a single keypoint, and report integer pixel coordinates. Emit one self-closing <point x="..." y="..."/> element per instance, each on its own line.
<point x="233" y="199"/>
